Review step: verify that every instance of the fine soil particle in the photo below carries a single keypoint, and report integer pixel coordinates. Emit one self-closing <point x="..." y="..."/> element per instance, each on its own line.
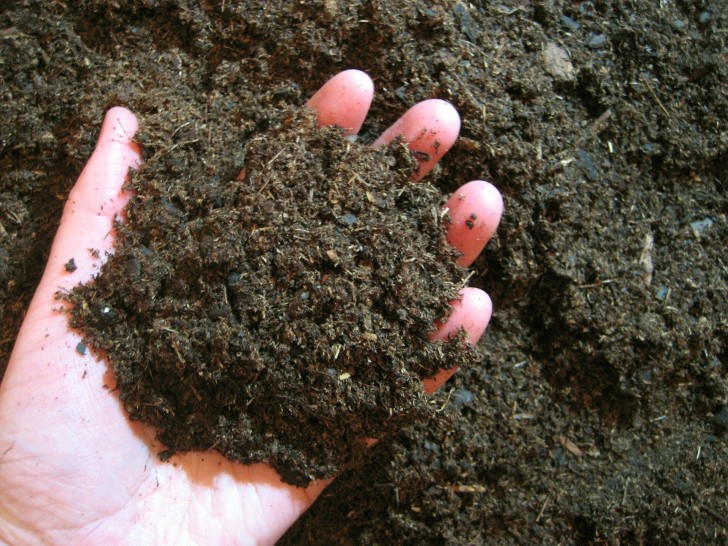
<point x="281" y="316"/>
<point x="604" y="126"/>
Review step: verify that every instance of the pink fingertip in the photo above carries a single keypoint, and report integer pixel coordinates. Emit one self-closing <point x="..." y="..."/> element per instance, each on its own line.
<point x="430" y="127"/>
<point x="471" y="313"/>
<point x="475" y="211"/>
<point x="344" y="100"/>
<point x="433" y="383"/>
<point x="118" y="129"/>
<point x="100" y="186"/>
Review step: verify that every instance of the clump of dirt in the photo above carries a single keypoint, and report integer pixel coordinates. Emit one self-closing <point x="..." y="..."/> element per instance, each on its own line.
<point x="281" y="316"/>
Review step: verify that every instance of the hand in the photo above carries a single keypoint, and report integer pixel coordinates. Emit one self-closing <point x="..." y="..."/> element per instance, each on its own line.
<point x="73" y="468"/>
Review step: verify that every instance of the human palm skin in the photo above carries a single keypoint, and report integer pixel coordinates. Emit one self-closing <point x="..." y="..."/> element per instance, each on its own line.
<point x="73" y="468"/>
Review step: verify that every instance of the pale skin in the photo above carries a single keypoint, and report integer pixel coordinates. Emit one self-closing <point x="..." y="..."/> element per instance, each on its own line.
<point x="74" y="469"/>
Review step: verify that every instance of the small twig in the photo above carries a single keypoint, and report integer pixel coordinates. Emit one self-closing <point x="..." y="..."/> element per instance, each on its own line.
<point x="657" y="99"/>
<point x="596" y="284"/>
<point x="467" y="279"/>
<point x="601" y="123"/>
<point x="508" y="11"/>
<point x="468" y="488"/>
<point x="275" y="157"/>
<point x="178" y="129"/>
<point x="185" y="143"/>
<point x="447" y="400"/>
<point x="543" y="509"/>
<point x="716" y="516"/>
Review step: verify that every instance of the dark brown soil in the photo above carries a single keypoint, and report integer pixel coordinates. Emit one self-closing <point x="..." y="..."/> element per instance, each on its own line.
<point x="280" y="316"/>
<point x="599" y="412"/>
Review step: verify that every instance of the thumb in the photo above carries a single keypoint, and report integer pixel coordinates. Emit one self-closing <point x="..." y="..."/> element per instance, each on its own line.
<point x="92" y="206"/>
<point x="96" y="199"/>
<point x="86" y="226"/>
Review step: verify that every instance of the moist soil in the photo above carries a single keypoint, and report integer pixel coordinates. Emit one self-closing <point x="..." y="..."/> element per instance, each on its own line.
<point x="597" y="411"/>
<point x="281" y="315"/>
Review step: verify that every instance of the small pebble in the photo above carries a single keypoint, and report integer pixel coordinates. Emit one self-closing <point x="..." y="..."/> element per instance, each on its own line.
<point x="595" y="41"/>
<point x="462" y="397"/>
<point x="557" y="62"/>
<point x="569" y="22"/>
<point x="587" y="163"/>
<point x="466" y="22"/>
<point x="349" y="219"/>
<point x="662" y="293"/>
<point x="699" y="226"/>
<point x="645" y="376"/>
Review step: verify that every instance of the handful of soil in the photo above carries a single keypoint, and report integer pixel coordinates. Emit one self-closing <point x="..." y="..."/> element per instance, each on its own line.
<point x="282" y="317"/>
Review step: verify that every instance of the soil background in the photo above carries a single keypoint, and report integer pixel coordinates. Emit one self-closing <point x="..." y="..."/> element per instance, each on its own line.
<point x="599" y="413"/>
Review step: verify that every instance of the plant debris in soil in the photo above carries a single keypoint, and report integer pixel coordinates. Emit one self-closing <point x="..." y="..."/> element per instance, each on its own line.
<point x="603" y="124"/>
<point x="281" y="316"/>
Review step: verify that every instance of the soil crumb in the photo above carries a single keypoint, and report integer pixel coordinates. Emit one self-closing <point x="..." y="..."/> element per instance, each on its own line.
<point x="280" y="315"/>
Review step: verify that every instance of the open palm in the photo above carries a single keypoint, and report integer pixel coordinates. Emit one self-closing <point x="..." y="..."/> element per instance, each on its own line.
<point x="73" y="468"/>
